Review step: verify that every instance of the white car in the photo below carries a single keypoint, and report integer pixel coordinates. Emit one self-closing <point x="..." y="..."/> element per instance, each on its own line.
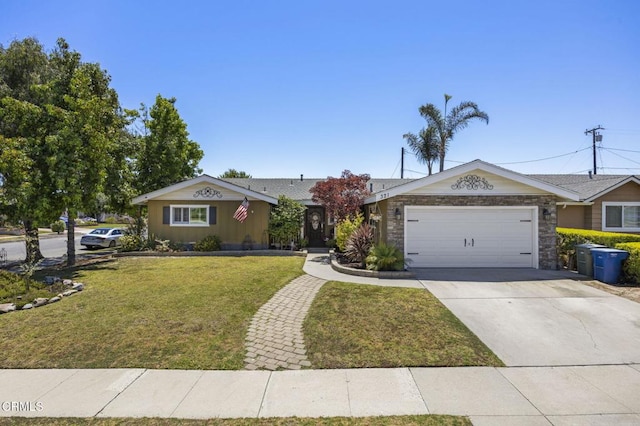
<point x="102" y="237"/>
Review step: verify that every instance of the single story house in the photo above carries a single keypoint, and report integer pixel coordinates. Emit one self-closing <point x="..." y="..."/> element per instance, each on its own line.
<point x="607" y="202"/>
<point x="190" y="210"/>
<point x="473" y="215"/>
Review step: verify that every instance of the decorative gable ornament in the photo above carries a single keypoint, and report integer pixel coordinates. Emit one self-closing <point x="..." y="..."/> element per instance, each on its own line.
<point x="472" y="182"/>
<point x="207" y="192"/>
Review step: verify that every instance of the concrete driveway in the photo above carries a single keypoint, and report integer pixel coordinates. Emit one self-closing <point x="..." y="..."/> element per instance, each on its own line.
<point x="540" y="318"/>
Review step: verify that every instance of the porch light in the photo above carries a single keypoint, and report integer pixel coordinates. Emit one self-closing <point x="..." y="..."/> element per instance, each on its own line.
<point x="546" y="214"/>
<point x="398" y="215"/>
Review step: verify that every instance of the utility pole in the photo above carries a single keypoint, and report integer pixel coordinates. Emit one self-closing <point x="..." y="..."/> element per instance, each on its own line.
<point x="402" y="163"/>
<point x="597" y="137"/>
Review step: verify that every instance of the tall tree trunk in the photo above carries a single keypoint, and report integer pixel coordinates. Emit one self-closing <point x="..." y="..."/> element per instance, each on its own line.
<point x="71" y="242"/>
<point x="32" y="242"/>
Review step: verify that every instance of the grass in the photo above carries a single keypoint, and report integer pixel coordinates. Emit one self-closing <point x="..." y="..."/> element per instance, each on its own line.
<point x="357" y="326"/>
<point x="430" y="420"/>
<point x="161" y="313"/>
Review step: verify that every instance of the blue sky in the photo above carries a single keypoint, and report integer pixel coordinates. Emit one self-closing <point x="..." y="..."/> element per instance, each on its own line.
<point x="283" y="88"/>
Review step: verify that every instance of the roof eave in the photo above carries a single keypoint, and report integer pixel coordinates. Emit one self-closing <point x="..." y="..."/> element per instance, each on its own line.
<point x="144" y="198"/>
<point x="467" y="167"/>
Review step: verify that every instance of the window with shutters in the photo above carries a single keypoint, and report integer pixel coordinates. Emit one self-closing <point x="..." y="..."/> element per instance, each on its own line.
<point x="189" y="215"/>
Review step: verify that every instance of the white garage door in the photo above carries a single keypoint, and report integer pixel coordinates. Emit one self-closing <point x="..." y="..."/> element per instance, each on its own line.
<point x="471" y="237"/>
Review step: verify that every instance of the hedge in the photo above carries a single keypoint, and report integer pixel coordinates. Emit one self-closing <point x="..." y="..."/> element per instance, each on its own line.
<point x="631" y="267"/>
<point x="568" y="238"/>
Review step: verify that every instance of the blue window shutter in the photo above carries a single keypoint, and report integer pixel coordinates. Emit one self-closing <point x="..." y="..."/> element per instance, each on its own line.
<point x="212" y="215"/>
<point x="166" y="215"/>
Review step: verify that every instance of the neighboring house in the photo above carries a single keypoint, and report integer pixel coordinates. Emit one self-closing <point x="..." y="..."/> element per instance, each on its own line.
<point x="473" y="215"/>
<point x="607" y="202"/>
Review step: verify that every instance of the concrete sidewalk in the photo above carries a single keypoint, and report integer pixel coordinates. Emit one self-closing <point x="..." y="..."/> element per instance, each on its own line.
<point x="594" y="395"/>
<point x="541" y="395"/>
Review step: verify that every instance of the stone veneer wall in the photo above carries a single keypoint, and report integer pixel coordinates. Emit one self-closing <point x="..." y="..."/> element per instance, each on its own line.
<point x="547" y="255"/>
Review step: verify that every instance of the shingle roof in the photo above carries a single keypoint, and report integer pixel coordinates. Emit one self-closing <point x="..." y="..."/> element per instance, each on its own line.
<point x="297" y="189"/>
<point x="585" y="185"/>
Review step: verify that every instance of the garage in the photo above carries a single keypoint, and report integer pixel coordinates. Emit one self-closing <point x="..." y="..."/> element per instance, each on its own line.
<point x="440" y="236"/>
<point x="476" y="215"/>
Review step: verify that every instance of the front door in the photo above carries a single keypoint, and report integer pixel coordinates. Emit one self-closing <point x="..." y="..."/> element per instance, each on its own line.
<point x="314" y="226"/>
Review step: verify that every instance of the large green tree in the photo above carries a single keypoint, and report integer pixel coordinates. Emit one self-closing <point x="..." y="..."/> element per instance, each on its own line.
<point x="446" y="125"/>
<point x="425" y="146"/>
<point x="26" y="189"/>
<point x="62" y="115"/>
<point x="233" y="173"/>
<point x="90" y="122"/>
<point x="167" y="155"/>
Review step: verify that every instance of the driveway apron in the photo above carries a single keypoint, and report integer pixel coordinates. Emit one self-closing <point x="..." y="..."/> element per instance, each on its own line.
<point x="540" y="318"/>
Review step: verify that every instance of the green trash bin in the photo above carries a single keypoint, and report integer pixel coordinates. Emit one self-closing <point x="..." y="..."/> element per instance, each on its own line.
<point x="585" y="258"/>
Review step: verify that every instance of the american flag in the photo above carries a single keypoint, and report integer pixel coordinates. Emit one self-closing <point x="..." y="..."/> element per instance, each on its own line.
<point x="241" y="212"/>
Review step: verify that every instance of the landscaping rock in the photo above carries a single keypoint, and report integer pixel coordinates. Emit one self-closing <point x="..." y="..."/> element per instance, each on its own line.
<point x="50" y="280"/>
<point x="68" y="283"/>
<point x="69" y="293"/>
<point x="7" y="307"/>
<point x="40" y="301"/>
<point x="55" y="299"/>
<point x="78" y="286"/>
<point x="27" y="306"/>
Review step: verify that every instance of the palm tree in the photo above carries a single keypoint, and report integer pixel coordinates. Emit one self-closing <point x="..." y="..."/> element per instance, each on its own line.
<point x="446" y="125"/>
<point x="425" y="146"/>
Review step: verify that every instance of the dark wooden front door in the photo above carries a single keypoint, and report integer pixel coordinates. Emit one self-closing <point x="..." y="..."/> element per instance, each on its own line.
<point x="314" y="226"/>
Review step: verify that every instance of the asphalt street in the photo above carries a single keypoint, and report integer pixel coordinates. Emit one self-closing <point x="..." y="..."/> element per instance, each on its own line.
<point x="50" y="246"/>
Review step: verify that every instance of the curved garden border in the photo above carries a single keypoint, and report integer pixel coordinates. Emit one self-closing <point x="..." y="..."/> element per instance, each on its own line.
<point x="370" y="274"/>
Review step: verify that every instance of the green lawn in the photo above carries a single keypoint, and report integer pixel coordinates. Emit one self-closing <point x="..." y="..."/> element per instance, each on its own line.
<point x="193" y="313"/>
<point x="355" y="326"/>
<point x="161" y="313"/>
<point x="430" y="420"/>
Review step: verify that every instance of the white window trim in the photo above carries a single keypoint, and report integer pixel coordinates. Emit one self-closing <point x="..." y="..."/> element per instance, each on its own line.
<point x="605" y="204"/>
<point x="189" y="206"/>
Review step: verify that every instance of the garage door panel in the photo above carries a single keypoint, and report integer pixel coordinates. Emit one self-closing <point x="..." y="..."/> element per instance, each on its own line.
<point x="469" y="237"/>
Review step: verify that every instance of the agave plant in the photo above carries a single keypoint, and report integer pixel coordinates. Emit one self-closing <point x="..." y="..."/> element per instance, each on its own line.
<point x="383" y="257"/>
<point x="359" y="244"/>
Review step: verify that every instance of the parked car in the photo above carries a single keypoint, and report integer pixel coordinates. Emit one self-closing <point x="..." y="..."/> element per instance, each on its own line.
<point x="102" y="237"/>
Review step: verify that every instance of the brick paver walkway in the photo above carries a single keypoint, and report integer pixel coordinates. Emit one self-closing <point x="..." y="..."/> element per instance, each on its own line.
<point x="274" y="340"/>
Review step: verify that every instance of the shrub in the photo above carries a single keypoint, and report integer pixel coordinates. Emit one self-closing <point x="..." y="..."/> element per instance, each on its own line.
<point x="285" y="220"/>
<point x="568" y="238"/>
<point x="58" y="226"/>
<point x="383" y="257"/>
<point x="162" y="246"/>
<point x="345" y="228"/>
<point x="131" y="243"/>
<point x="359" y="244"/>
<point x="111" y="220"/>
<point x="20" y="289"/>
<point x="631" y="266"/>
<point x="209" y="243"/>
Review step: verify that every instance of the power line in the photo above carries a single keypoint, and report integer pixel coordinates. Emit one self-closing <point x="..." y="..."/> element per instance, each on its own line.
<point x="624" y="158"/>
<point x="543" y="159"/>
<point x="620" y="149"/>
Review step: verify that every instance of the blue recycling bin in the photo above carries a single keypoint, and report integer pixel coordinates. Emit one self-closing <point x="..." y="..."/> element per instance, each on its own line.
<point x="607" y="264"/>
